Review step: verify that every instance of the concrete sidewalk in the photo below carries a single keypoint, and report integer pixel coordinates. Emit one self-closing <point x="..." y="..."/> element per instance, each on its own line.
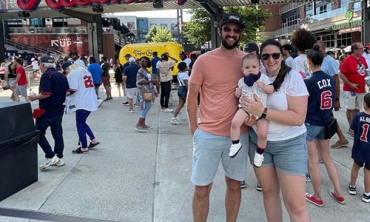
<point x="133" y="176"/>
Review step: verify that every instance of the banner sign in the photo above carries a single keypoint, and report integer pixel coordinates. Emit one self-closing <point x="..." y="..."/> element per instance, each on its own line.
<point x="348" y="30"/>
<point x="31" y="5"/>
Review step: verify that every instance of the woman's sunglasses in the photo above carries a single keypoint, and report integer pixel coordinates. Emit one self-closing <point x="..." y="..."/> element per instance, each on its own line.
<point x="235" y="29"/>
<point x="266" y="56"/>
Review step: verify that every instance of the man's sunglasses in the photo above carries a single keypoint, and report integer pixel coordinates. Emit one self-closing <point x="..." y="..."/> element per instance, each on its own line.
<point x="266" y="56"/>
<point x="228" y="29"/>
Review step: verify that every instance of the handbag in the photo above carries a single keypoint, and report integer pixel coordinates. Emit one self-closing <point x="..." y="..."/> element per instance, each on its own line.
<point x="148" y="96"/>
<point x="331" y="128"/>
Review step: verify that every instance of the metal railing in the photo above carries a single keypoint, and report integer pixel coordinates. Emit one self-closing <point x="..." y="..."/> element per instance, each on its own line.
<point x="35" y="49"/>
<point x="286" y="30"/>
<point x="42" y="30"/>
<point x="291" y="6"/>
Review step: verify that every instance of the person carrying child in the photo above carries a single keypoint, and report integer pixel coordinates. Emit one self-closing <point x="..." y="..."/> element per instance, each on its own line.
<point x="360" y="126"/>
<point x="253" y="82"/>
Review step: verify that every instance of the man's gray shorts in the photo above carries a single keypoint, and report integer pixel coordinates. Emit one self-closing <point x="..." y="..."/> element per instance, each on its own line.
<point x="209" y="150"/>
<point x="21" y="90"/>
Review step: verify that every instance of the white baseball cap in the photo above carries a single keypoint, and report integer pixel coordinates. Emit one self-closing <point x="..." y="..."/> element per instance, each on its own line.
<point x="131" y="59"/>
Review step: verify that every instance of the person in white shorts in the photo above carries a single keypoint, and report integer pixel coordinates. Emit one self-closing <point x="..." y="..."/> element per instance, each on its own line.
<point x="252" y="83"/>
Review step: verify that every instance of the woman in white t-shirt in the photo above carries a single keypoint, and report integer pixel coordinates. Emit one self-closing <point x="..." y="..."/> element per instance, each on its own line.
<point x="182" y="78"/>
<point x="83" y="101"/>
<point x="285" y="157"/>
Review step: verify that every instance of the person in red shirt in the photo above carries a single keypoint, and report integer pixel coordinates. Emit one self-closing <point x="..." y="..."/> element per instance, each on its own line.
<point x="353" y="73"/>
<point x="20" y="84"/>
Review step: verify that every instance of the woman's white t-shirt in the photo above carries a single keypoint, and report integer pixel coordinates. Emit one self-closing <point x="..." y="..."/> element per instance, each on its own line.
<point x="181" y="76"/>
<point x="293" y="85"/>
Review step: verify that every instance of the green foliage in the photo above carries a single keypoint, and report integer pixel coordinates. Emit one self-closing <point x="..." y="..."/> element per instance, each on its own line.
<point x="152" y="32"/>
<point x="163" y="35"/>
<point x="198" y="30"/>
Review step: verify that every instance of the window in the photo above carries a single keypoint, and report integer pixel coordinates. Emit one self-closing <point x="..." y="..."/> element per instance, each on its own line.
<point x="290" y="21"/>
<point x="344" y="40"/>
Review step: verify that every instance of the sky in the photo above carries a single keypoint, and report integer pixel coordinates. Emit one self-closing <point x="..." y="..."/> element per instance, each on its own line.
<point x="156" y="14"/>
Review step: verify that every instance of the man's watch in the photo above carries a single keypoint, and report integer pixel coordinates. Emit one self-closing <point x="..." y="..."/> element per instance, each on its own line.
<point x="263" y="115"/>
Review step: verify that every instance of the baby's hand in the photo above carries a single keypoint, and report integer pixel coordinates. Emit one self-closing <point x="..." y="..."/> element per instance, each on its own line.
<point x="261" y="85"/>
<point x="238" y="92"/>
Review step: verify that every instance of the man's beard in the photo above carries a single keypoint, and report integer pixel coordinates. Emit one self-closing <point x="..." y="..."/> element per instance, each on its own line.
<point x="227" y="46"/>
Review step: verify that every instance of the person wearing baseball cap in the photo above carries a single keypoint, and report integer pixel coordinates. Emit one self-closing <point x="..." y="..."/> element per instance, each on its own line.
<point x="215" y="75"/>
<point x="53" y="89"/>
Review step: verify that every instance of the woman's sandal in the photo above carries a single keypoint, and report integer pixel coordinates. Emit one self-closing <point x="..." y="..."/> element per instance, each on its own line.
<point x="79" y="151"/>
<point x="91" y="145"/>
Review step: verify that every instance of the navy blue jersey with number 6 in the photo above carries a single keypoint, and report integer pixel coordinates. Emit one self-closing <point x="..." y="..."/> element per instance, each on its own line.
<point x="321" y="88"/>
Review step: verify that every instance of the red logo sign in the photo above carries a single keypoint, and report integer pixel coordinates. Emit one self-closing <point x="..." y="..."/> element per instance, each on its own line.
<point x="31" y="5"/>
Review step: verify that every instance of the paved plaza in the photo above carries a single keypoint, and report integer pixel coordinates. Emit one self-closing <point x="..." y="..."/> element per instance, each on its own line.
<point x="144" y="177"/>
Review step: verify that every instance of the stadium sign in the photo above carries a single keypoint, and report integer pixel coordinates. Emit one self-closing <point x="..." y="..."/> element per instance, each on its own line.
<point x="31" y="5"/>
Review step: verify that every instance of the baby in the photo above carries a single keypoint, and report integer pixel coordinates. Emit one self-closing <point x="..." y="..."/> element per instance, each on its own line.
<point x="252" y="83"/>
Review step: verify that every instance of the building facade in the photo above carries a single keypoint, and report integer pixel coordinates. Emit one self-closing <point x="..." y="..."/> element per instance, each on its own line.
<point x="338" y="22"/>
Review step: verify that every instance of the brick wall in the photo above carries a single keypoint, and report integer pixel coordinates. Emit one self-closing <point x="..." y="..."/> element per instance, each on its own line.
<point x="274" y="22"/>
<point x="61" y="42"/>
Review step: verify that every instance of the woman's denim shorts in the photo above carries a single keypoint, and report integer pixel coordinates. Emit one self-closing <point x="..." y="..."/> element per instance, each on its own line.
<point x="288" y="156"/>
<point x="182" y="92"/>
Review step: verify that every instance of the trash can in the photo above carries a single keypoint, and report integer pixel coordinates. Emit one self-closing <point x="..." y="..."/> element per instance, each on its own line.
<point x="18" y="148"/>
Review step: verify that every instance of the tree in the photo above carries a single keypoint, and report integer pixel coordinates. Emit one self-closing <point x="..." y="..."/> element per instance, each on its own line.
<point x="163" y="35"/>
<point x="198" y="31"/>
<point x="152" y="32"/>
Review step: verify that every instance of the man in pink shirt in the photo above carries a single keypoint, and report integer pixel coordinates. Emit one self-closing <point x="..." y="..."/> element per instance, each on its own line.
<point x="215" y="75"/>
<point x="20" y="85"/>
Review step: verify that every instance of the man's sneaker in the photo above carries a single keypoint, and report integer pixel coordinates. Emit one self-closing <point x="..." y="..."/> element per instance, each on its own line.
<point x="352" y="190"/>
<point x="140" y="129"/>
<point x="130" y="110"/>
<point x="174" y="121"/>
<point x="234" y="149"/>
<point x="49" y="162"/>
<point x="148" y="127"/>
<point x="338" y="199"/>
<point x="312" y="199"/>
<point x="60" y="162"/>
<point x="308" y="177"/>
<point x="258" y="159"/>
<point x="339" y="144"/>
<point x="242" y="184"/>
<point x="258" y="187"/>
<point x="125" y="103"/>
<point x="168" y="110"/>
<point x="366" y="198"/>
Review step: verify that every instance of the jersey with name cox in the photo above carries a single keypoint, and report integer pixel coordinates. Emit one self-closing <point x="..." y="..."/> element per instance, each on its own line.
<point x="321" y="88"/>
